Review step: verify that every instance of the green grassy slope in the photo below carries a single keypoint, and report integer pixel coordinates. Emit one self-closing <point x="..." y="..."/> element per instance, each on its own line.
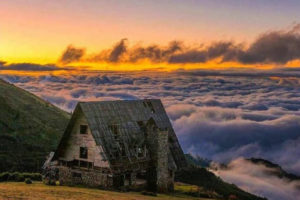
<point x="29" y="128"/>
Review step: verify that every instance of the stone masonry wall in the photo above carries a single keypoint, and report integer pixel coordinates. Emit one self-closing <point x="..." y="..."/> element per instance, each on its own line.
<point x="158" y="174"/>
<point x="162" y="161"/>
<point x="91" y="178"/>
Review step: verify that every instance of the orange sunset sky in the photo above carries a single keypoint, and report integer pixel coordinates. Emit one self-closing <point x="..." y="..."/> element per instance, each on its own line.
<point x="40" y="31"/>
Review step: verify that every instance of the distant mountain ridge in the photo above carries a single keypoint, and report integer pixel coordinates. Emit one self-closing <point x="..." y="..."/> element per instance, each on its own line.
<point x="197" y="161"/>
<point x="29" y="129"/>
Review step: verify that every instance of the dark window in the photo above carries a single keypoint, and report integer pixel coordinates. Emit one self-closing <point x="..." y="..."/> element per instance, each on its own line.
<point x="75" y="163"/>
<point x="83" y="129"/>
<point x="90" y="165"/>
<point x="171" y="173"/>
<point x="83" y="164"/>
<point x="70" y="164"/>
<point x="83" y="152"/>
<point x="76" y="174"/>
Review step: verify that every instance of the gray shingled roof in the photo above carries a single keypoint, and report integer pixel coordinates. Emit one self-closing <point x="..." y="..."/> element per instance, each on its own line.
<point x="126" y="114"/>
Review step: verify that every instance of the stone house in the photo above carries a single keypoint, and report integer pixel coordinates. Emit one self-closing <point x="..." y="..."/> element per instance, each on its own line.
<point x="118" y="143"/>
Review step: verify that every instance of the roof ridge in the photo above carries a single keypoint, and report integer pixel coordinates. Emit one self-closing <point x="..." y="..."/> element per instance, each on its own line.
<point x="110" y="101"/>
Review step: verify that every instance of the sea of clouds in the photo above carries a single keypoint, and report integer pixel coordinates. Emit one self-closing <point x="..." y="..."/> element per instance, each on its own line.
<point x="221" y="116"/>
<point x="257" y="179"/>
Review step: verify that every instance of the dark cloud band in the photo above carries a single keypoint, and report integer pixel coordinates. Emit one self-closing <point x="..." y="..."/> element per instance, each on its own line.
<point x="275" y="47"/>
<point x="29" y="67"/>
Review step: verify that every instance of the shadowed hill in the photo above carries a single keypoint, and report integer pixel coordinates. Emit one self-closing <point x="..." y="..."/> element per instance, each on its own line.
<point x="197" y="161"/>
<point x="277" y="170"/>
<point x="29" y="128"/>
<point x="197" y="174"/>
<point x="210" y="182"/>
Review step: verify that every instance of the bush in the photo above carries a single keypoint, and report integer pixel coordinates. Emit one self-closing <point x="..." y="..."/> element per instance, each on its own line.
<point x="4" y="176"/>
<point x="52" y="182"/>
<point x="28" y="181"/>
<point x="19" y="177"/>
<point x="16" y="176"/>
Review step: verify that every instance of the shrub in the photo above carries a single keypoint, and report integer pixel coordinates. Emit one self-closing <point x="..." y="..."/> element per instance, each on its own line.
<point x="52" y="182"/>
<point x="19" y="177"/>
<point x="16" y="176"/>
<point x="4" y="176"/>
<point x="28" y="181"/>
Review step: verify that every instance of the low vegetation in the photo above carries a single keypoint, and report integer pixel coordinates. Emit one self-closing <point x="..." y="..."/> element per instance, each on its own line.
<point x="28" y="181"/>
<point x="194" y="183"/>
<point x="196" y="191"/>
<point x="19" y="177"/>
<point x="38" y="190"/>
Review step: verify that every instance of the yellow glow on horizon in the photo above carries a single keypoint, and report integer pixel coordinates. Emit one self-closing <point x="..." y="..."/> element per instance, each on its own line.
<point x="146" y="65"/>
<point x="46" y="57"/>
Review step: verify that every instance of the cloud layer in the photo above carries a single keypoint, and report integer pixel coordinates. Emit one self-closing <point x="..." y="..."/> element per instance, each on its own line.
<point x="258" y="179"/>
<point x="274" y="47"/>
<point x="220" y="115"/>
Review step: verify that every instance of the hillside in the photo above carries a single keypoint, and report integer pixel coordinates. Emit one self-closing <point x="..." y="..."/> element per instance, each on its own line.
<point x="29" y="128"/>
<point x="197" y="161"/>
<point x="210" y="182"/>
<point x="276" y="169"/>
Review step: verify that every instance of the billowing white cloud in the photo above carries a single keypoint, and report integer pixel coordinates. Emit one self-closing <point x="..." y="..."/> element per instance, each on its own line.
<point x="258" y="179"/>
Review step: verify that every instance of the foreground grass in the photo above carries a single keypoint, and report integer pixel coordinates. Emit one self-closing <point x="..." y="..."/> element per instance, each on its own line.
<point x="37" y="190"/>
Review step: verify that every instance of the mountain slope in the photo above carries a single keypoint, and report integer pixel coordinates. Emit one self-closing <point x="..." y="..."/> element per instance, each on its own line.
<point x="197" y="161"/>
<point x="29" y="128"/>
<point x="276" y="169"/>
<point x="210" y="182"/>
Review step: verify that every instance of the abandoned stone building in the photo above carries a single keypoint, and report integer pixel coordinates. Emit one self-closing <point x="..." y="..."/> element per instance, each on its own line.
<point x="118" y="143"/>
